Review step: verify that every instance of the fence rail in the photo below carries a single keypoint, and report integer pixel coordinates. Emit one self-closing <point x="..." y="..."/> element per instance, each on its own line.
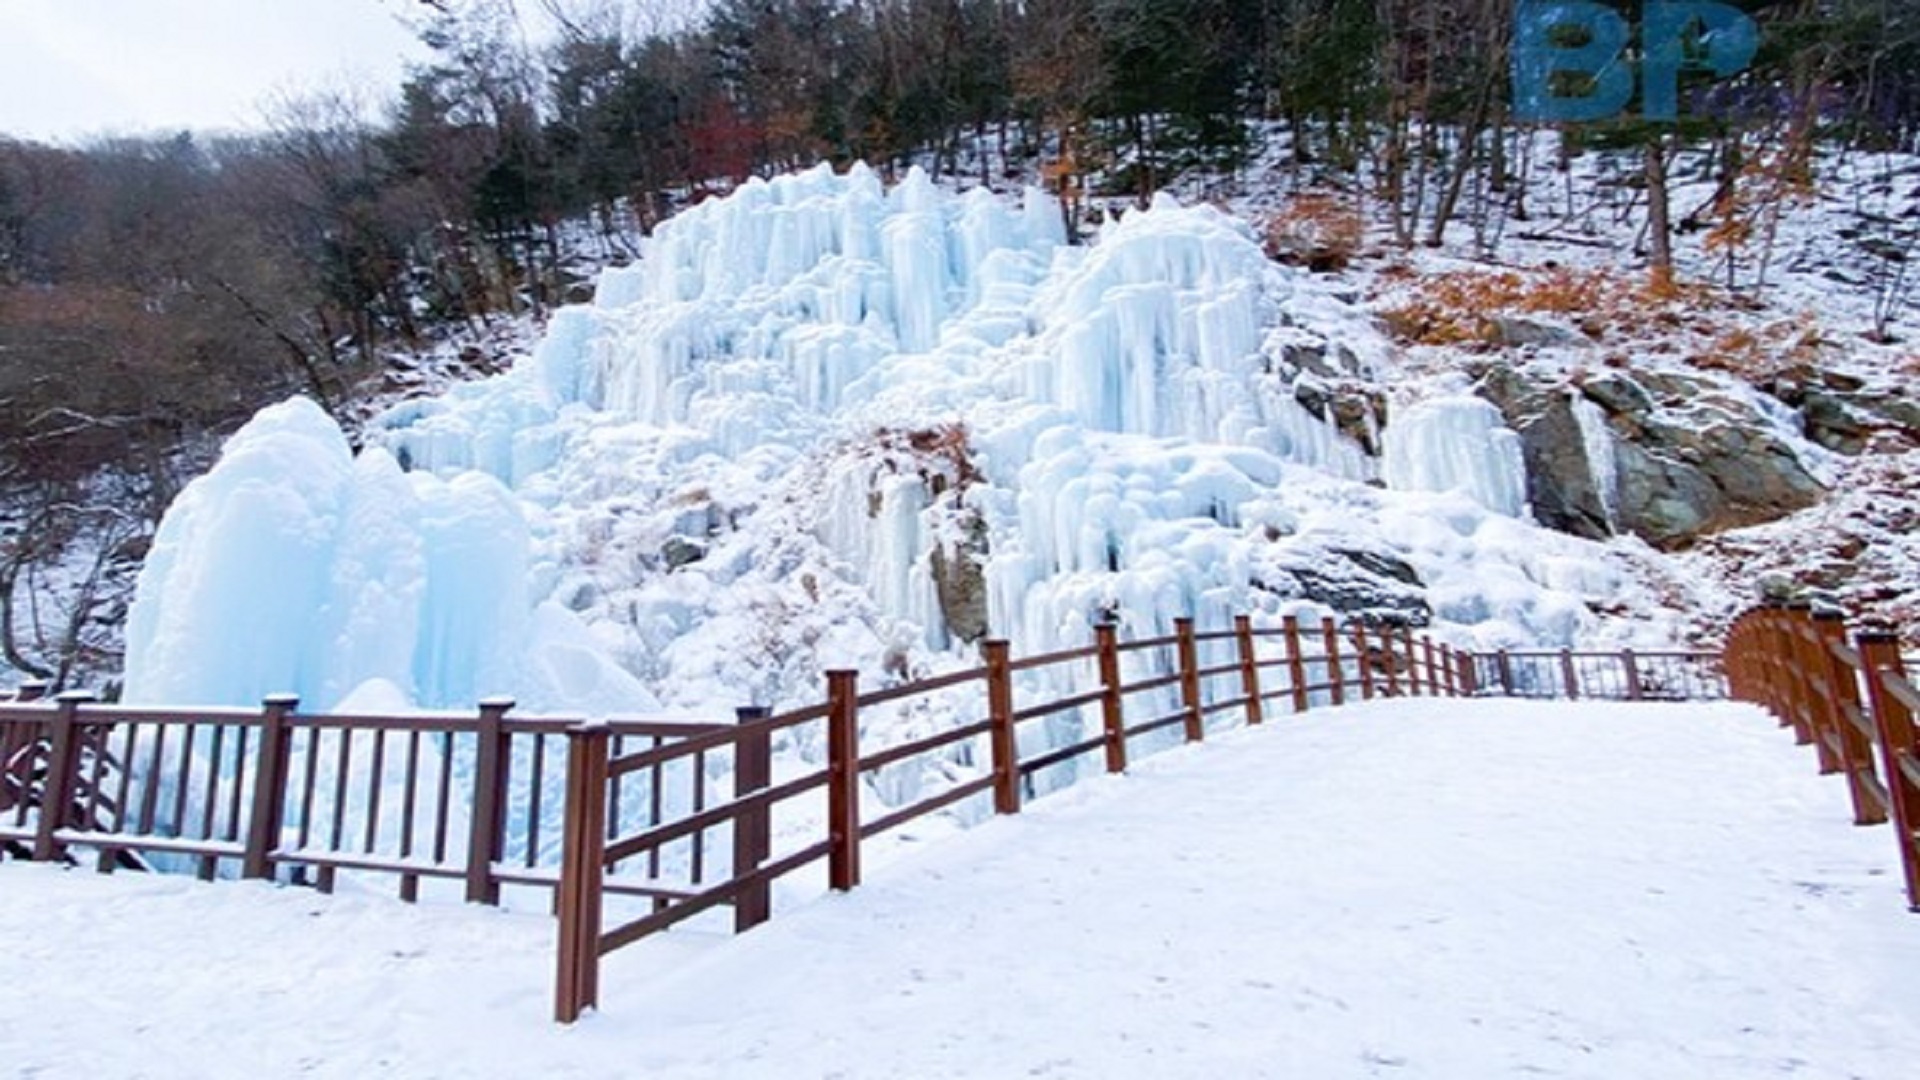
<point x="624" y="821"/>
<point x="1853" y="701"/>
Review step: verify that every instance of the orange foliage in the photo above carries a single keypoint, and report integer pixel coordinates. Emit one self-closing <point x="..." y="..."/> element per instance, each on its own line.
<point x="1318" y="230"/>
<point x="1461" y="308"/>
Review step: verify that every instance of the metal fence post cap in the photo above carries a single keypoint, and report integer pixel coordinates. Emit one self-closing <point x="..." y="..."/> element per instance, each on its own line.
<point x="284" y="699"/>
<point x="502" y="702"/>
<point x="1877" y="637"/>
<point x="77" y="697"/>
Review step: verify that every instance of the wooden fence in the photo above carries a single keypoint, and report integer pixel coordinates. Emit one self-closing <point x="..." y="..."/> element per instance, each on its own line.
<point x="647" y="838"/>
<point x="1852" y="700"/>
<point x="1164" y="690"/>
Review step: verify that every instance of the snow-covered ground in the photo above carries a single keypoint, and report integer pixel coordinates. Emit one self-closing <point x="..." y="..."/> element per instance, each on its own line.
<point x="1410" y="889"/>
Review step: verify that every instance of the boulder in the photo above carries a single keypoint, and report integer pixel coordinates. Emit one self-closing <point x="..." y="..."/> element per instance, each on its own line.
<point x="1687" y="458"/>
<point x="960" y="581"/>
<point x="1372" y="586"/>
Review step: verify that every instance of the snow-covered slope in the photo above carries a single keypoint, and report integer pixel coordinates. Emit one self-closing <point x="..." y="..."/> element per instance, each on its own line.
<point x="822" y="423"/>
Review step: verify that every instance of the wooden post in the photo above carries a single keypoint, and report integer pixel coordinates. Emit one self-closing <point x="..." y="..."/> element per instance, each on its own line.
<point x="1249" y="668"/>
<point x="1436" y="683"/>
<point x="1469" y="666"/>
<point x="843" y="779"/>
<point x="1005" y="741"/>
<point x="1188" y="654"/>
<point x="31" y="690"/>
<point x="1414" y="684"/>
<point x="1112" y="717"/>
<point x="1503" y="666"/>
<point x="269" y="786"/>
<point x="63" y="761"/>
<point x="1392" y="660"/>
<point x="752" y="827"/>
<point x="486" y="833"/>
<point x="1880" y="653"/>
<point x="1843" y="700"/>
<point x="1363" y="657"/>
<point x="1630" y="664"/>
<point x="1336" y="673"/>
<point x="582" y="872"/>
<point x="1807" y="703"/>
<point x="1296" y="666"/>
<point x="1568" y="675"/>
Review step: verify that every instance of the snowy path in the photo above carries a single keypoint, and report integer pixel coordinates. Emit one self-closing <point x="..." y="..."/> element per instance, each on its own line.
<point x="1422" y="889"/>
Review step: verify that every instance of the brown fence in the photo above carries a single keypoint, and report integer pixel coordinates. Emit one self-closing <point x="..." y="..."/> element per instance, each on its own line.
<point x="1624" y="675"/>
<point x="1853" y="701"/>
<point x="646" y="836"/>
<point x="1136" y="695"/>
<point x="273" y="793"/>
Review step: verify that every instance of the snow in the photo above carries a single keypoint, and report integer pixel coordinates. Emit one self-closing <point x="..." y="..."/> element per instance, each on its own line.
<point x="1418" y="888"/>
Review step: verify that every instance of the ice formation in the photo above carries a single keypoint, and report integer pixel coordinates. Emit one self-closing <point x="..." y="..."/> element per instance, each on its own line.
<point x="1456" y="443"/>
<point x="759" y="450"/>
<point x="294" y="566"/>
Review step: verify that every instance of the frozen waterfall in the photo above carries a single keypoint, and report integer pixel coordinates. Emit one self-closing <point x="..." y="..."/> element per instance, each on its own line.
<point x="729" y="472"/>
<point x="1457" y="442"/>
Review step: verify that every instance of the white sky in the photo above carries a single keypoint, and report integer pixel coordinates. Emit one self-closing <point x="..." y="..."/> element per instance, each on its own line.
<point x="70" y="69"/>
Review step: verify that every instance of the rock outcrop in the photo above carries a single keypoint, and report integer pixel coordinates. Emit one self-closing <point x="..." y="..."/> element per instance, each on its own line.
<point x="1666" y="457"/>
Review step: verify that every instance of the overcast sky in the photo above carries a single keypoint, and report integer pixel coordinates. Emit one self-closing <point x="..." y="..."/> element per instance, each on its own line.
<point x="70" y="69"/>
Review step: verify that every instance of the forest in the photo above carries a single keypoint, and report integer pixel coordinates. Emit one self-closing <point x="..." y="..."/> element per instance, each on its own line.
<point x="154" y="291"/>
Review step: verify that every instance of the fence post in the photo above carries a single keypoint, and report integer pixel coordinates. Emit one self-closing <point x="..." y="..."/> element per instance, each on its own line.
<point x="1336" y="673"/>
<point x="1005" y="741"/>
<point x="843" y="779"/>
<point x="1363" y="656"/>
<point x="63" y="760"/>
<point x="269" y="786"/>
<point x="582" y="872"/>
<point x="1568" y="676"/>
<point x="1630" y="665"/>
<point x="1503" y="667"/>
<point x="1436" y="675"/>
<point x="1469" y="662"/>
<point x="1249" y="668"/>
<point x="486" y="833"/>
<point x="752" y="829"/>
<point x="31" y="690"/>
<point x="1808" y="704"/>
<point x="1414" y="685"/>
<point x="1880" y="654"/>
<point x="1188" y="654"/>
<point x="1855" y="750"/>
<point x="1296" y="667"/>
<point x="1112" y="717"/>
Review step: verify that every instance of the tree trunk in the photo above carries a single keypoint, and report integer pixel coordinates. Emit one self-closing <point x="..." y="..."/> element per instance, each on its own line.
<point x="1659" y="228"/>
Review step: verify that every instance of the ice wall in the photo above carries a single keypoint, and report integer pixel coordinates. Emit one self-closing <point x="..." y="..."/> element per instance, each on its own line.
<point x="293" y="566"/>
<point x="1456" y="443"/>
<point x="708" y="479"/>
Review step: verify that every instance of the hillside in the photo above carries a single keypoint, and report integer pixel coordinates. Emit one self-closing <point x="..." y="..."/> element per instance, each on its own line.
<point x="822" y="421"/>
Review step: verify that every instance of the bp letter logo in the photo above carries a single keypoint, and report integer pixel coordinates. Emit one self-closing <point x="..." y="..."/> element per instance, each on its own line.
<point x="1571" y="61"/>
